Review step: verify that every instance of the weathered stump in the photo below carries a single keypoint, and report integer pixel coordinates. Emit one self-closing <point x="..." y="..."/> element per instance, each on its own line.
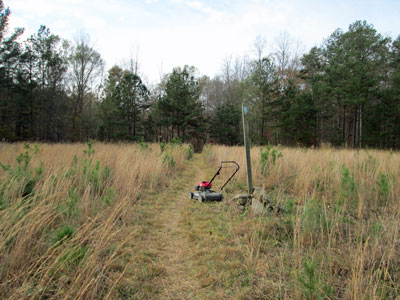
<point x="257" y="202"/>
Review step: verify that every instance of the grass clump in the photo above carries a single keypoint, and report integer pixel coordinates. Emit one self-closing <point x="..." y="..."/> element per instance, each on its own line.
<point x="163" y="145"/>
<point x="74" y="256"/>
<point x="69" y="209"/>
<point x="188" y="152"/>
<point x="314" y="218"/>
<point x="384" y="187"/>
<point x="169" y="161"/>
<point x="21" y="179"/>
<point x="311" y="283"/>
<point x="92" y="172"/>
<point x="62" y="233"/>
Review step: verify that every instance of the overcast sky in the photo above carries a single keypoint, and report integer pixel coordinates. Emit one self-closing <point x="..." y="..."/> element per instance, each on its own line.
<point x="170" y="33"/>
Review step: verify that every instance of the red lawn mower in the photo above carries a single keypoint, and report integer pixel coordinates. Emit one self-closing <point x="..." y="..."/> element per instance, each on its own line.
<point x="203" y="188"/>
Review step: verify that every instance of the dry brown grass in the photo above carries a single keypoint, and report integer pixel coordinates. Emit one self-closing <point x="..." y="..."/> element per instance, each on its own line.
<point x="93" y="235"/>
<point x="67" y="239"/>
<point x="338" y="234"/>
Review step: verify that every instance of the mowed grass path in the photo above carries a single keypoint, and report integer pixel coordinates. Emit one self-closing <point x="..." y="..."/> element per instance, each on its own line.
<point x="184" y="249"/>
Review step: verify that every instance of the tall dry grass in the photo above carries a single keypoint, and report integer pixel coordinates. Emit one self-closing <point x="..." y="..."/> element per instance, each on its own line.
<point x="66" y="216"/>
<point x="336" y="234"/>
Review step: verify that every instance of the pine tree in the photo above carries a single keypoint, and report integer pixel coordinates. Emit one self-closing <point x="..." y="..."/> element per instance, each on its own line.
<point x="180" y="104"/>
<point x="225" y="124"/>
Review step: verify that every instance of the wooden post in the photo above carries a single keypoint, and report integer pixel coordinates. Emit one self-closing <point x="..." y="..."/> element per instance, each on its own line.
<point x="247" y="147"/>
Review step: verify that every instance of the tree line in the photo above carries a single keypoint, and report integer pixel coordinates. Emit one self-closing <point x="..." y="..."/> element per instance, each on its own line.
<point x="344" y="92"/>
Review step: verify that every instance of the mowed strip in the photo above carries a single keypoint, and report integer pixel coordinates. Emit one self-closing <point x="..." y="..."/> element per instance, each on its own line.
<point x="185" y="249"/>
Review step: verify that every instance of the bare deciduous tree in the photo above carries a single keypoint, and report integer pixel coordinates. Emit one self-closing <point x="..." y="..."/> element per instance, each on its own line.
<point x="86" y="67"/>
<point x="260" y="44"/>
<point x="286" y="57"/>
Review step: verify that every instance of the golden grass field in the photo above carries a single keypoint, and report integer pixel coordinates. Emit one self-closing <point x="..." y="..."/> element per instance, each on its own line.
<point x="113" y="221"/>
<point x="66" y="239"/>
<point x="338" y="237"/>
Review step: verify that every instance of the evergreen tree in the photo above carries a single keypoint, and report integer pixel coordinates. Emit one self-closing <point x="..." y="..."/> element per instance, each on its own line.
<point x="10" y="51"/>
<point x="133" y="101"/>
<point x="297" y="116"/>
<point x="123" y="106"/>
<point x="225" y="124"/>
<point x="345" y="76"/>
<point x="109" y="110"/>
<point x="313" y="73"/>
<point x="180" y="104"/>
<point x="264" y="84"/>
<point x="394" y="95"/>
<point x="44" y="64"/>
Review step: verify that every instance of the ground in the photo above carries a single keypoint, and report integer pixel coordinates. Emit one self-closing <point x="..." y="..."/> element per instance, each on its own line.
<point x="186" y="249"/>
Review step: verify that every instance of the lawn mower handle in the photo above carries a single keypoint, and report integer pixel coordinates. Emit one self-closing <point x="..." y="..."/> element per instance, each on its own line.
<point x="219" y="169"/>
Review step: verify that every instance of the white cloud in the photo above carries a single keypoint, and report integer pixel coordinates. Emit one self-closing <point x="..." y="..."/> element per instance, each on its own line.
<point x="94" y="23"/>
<point x="197" y="5"/>
<point x="60" y="25"/>
<point x="15" y="22"/>
<point x="214" y="15"/>
<point x="195" y="32"/>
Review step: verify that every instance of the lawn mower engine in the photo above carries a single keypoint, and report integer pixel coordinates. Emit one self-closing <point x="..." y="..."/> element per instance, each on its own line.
<point x="203" y="188"/>
<point x="204" y="192"/>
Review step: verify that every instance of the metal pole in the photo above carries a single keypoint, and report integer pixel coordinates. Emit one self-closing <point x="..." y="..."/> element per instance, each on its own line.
<point x="247" y="147"/>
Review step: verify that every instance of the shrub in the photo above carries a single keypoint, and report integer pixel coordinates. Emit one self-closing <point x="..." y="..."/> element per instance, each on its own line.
<point x="176" y="142"/>
<point x="188" y="152"/>
<point x="26" y="176"/>
<point x="71" y="202"/>
<point x="311" y="284"/>
<point x="267" y="156"/>
<point x="314" y="217"/>
<point x="143" y="145"/>
<point x="93" y="174"/>
<point x="169" y="161"/>
<point x="383" y="187"/>
<point x="347" y="190"/>
<point x="162" y="146"/>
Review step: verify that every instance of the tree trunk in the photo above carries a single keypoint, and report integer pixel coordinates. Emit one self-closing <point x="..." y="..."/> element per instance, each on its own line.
<point x="134" y="122"/>
<point x="355" y="131"/>
<point x="262" y="119"/>
<point x="344" y="126"/>
<point x="360" y="126"/>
